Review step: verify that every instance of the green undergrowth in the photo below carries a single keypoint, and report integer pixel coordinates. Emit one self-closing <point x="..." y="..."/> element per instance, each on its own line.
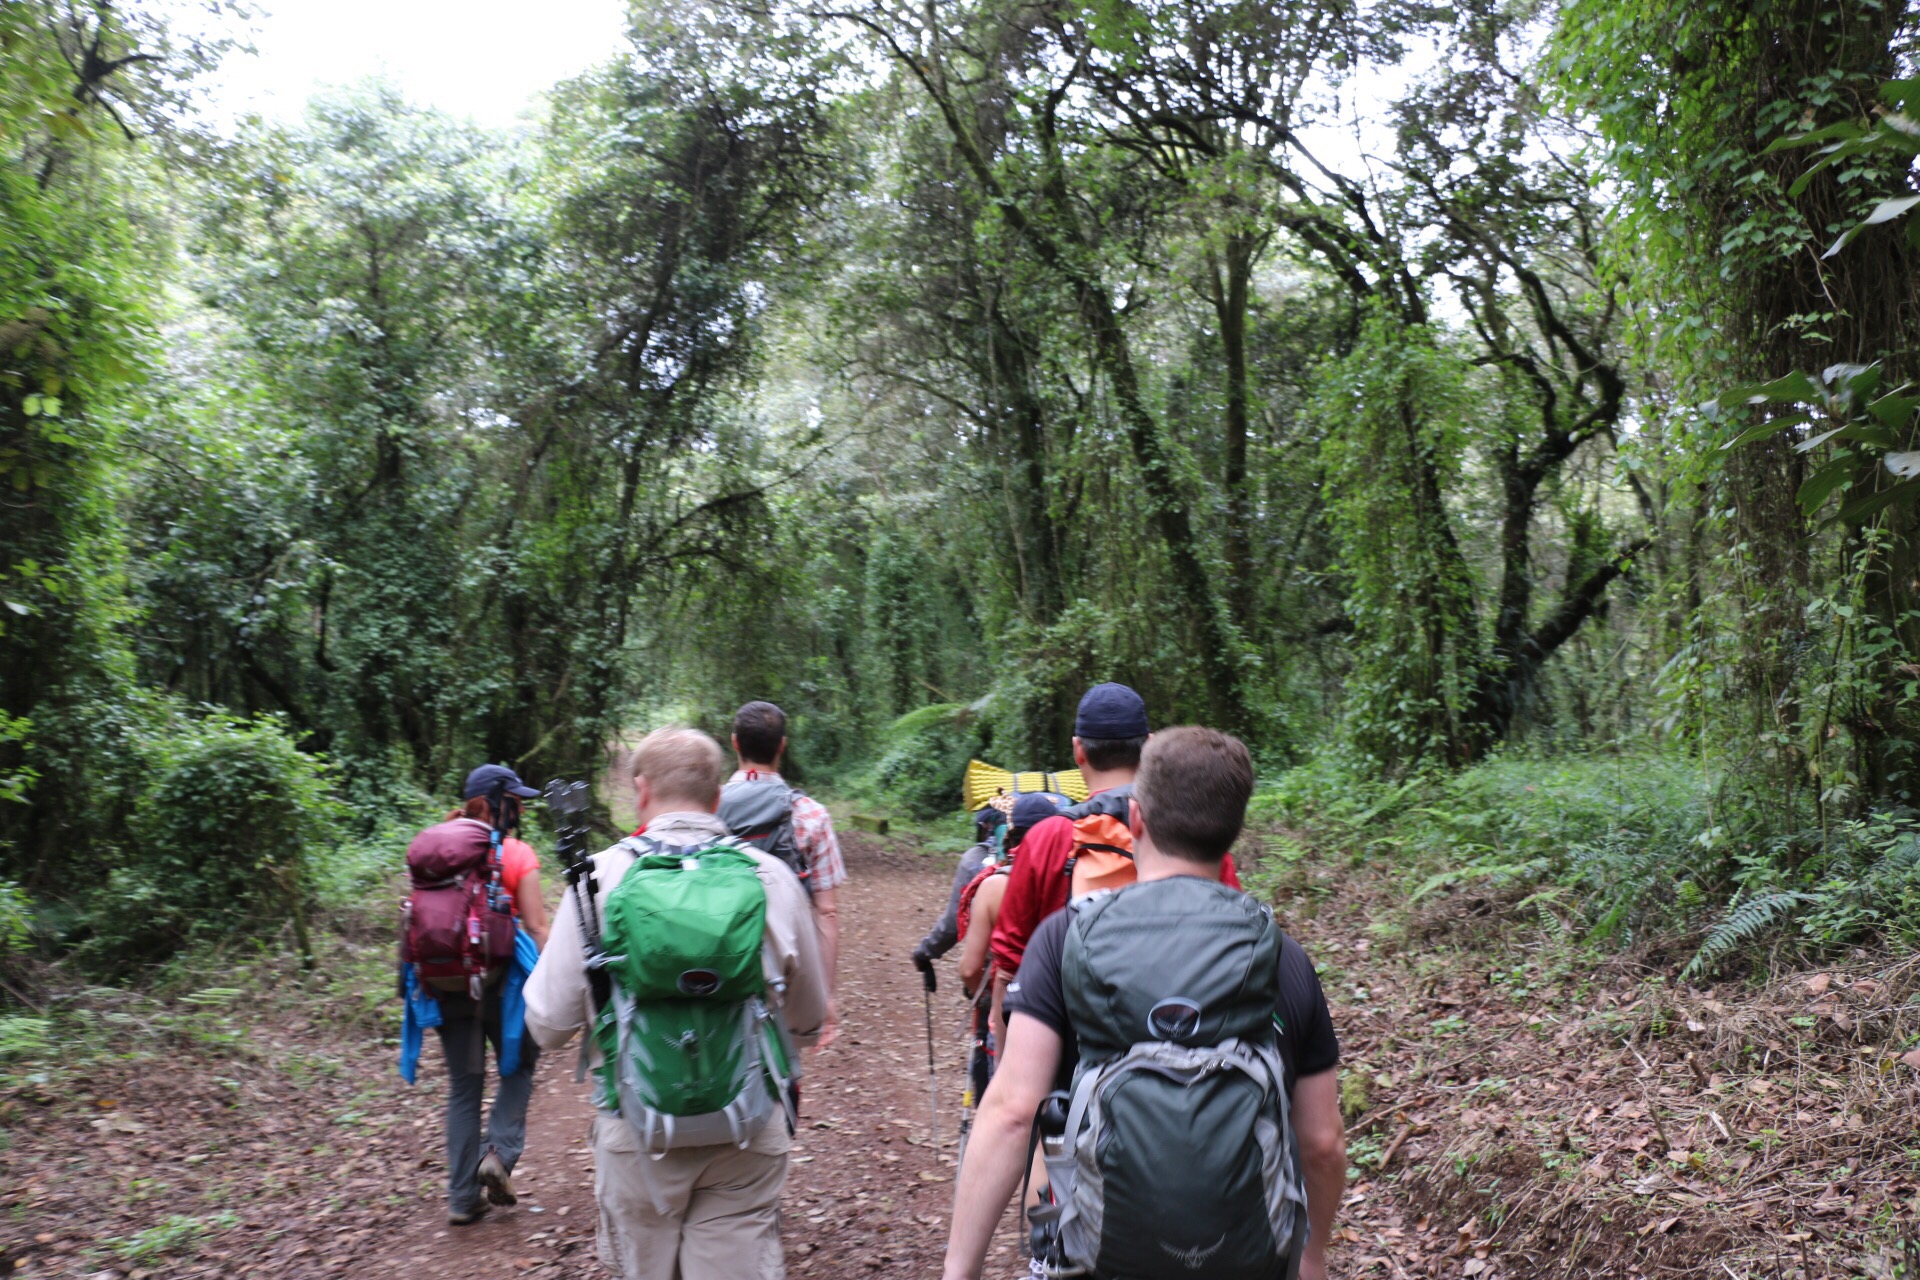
<point x="1619" y="850"/>
<point x="217" y="836"/>
<point x="204" y="1005"/>
<point x="921" y="759"/>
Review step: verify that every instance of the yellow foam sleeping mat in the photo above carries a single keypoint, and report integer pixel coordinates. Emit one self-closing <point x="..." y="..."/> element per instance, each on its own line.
<point x="984" y="782"/>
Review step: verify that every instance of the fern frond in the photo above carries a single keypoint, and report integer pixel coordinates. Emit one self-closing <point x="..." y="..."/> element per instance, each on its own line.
<point x="1744" y="923"/>
<point x="1486" y="869"/>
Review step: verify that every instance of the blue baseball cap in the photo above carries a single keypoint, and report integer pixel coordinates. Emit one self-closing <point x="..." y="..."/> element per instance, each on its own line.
<point x="1111" y="711"/>
<point x="1029" y="809"/>
<point x="483" y="780"/>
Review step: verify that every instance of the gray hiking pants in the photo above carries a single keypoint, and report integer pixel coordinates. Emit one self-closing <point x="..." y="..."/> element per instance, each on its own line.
<point x="465" y="1032"/>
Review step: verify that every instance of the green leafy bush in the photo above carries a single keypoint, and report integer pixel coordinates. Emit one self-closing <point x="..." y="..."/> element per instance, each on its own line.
<point x="228" y="824"/>
<point x="16" y="918"/>
<point x="23" y="1037"/>
<point x="1633" y="845"/>
<point x="1858" y="879"/>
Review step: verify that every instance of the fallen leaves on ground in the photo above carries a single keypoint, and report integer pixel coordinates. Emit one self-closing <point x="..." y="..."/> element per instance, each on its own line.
<point x="1531" y="1109"/>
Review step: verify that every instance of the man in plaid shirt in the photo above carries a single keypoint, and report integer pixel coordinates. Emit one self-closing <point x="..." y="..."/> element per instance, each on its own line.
<point x="759" y="741"/>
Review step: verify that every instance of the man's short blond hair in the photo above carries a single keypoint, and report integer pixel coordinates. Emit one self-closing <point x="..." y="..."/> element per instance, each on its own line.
<point x="681" y="764"/>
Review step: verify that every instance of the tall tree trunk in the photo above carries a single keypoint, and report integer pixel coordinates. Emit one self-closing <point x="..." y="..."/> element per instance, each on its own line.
<point x="1017" y="415"/>
<point x="1232" y="283"/>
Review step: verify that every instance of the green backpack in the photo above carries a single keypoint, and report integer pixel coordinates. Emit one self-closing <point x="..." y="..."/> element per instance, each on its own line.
<point x="692" y="1055"/>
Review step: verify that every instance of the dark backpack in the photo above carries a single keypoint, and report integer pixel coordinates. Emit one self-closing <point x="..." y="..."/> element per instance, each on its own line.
<point x="1178" y="1157"/>
<point x="759" y="812"/>
<point x="457" y="927"/>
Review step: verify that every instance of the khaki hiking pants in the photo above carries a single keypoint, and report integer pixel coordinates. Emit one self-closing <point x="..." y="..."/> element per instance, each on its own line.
<point x="723" y="1206"/>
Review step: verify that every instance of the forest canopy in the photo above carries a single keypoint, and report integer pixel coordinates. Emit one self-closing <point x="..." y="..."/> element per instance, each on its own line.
<point x="1439" y="397"/>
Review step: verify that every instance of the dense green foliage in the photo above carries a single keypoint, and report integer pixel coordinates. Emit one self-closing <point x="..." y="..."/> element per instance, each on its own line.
<point x="1537" y="486"/>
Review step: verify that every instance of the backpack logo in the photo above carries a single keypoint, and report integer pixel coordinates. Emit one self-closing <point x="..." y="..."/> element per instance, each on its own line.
<point x="1194" y="1259"/>
<point x="698" y="982"/>
<point x="1176" y="1019"/>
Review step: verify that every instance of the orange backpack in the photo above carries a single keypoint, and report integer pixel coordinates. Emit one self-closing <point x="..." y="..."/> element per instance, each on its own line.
<point x="1102" y="856"/>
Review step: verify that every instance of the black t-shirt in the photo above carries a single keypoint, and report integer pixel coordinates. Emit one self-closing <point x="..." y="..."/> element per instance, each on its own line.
<point x="1307" y="1043"/>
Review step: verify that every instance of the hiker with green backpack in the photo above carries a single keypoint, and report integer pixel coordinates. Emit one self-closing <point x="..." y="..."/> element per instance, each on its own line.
<point x="715" y="977"/>
<point x="1171" y="1056"/>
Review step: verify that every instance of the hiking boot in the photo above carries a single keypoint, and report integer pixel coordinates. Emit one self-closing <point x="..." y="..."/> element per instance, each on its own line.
<point x="457" y="1219"/>
<point x="493" y="1176"/>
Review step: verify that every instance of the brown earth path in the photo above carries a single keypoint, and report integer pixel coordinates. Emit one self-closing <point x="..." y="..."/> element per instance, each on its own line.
<point x="1520" y="1107"/>
<point x="274" y="1139"/>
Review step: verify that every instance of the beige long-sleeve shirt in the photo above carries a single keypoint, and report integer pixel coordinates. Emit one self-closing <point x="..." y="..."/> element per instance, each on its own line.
<point x="560" y="1003"/>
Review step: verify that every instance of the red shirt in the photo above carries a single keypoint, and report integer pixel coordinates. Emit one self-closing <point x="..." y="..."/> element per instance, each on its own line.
<point x="1037" y="887"/>
<point x="517" y="859"/>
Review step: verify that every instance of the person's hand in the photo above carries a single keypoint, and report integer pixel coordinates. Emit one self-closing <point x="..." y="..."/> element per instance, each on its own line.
<point x="1313" y="1264"/>
<point x="924" y="963"/>
<point x="830" y="1029"/>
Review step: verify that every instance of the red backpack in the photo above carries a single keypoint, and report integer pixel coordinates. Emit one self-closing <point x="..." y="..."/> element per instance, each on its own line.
<point x="457" y="926"/>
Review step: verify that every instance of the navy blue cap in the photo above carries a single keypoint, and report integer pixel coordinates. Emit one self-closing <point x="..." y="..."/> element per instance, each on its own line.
<point x="1111" y="711"/>
<point x="482" y="780"/>
<point x="1034" y="807"/>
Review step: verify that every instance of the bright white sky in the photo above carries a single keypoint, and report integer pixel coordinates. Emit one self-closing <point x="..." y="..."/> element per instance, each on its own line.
<point x="483" y="59"/>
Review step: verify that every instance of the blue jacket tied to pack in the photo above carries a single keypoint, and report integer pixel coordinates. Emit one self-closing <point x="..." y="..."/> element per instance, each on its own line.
<point x="423" y="1010"/>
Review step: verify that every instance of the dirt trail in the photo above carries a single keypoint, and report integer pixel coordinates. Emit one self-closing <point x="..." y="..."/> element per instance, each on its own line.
<point x="1520" y="1109"/>
<point x="266" y="1140"/>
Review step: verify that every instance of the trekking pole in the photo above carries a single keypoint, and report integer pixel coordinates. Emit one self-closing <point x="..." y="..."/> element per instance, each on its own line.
<point x="933" y="1079"/>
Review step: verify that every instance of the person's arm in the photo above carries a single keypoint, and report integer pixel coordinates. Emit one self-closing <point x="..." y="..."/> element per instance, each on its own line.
<point x="826" y="920"/>
<point x="795" y="944"/>
<point x="997" y="1149"/>
<point x="556" y="990"/>
<point x="973" y="957"/>
<point x="1022" y="907"/>
<point x="532" y="908"/>
<point x="945" y="933"/>
<point x="826" y="872"/>
<point x="1323" y="1161"/>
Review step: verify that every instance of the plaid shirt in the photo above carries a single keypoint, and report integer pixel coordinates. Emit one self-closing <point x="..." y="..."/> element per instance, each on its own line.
<point x="812" y="832"/>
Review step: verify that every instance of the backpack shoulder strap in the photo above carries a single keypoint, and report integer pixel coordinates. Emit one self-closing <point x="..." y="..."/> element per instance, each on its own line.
<point x="641" y="846"/>
<point x="1111" y="803"/>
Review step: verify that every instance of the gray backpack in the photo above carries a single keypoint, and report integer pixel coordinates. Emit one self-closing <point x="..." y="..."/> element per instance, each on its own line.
<point x="759" y="812"/>
<point x="1178" y="1156"/>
